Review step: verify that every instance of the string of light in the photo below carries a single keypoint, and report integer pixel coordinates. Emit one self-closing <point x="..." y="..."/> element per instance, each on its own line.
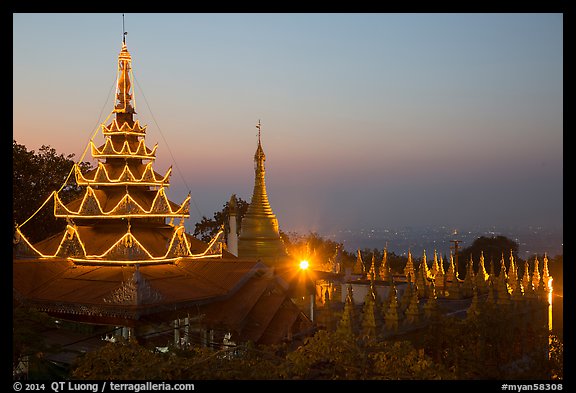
<point x="126" y="207"/>
<point x="108" y="150"/>
<point x="169" y="150"/>
<point x="128" y="240"/>
<point x="127" y="177"/>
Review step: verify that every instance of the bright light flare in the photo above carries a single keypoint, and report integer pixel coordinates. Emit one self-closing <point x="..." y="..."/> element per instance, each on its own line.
<point x="304" y="264"/>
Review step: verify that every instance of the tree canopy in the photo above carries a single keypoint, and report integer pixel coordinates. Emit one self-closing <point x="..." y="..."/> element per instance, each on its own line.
<point x="493" y="248"/>
<point x="481" y="347"/>
<point x="35" y="175"/>
<point x="207" y="228"/>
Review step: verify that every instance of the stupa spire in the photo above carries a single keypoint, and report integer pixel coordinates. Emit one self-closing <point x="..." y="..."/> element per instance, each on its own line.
<point x="372" y="272"/>
<point x="346" y="325"/>
<point x="409" y="268"/>
<point x="359" y="267"/>
<point x="393" y="316"/>
<point x="453" y="283"/>
<point x="536" y="273"/>
<point x="260" y="235"/>
<point x="440" y="276"/>
<point x="369" y="313"/>
<point x="422" y="278"/>
<point x="435" y="266"/>
<point x="512" y="273"/>
<point x="546" y="273"/>
<point x="481" y="275"/>
<point x="124" y="84"/>
<point x="383" y="271"/>
<point x="413" y="313"/>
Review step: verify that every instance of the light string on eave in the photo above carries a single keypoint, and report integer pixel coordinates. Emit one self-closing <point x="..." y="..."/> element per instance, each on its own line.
<point x="200" y="215"/>
<point x="96" y="128"/>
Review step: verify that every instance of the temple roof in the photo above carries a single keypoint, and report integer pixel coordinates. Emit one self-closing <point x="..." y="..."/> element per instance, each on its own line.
<point x="110" y="290"/>
<point x="239" y="295"/>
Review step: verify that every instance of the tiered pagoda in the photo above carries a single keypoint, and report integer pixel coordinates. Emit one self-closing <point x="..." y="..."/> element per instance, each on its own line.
<point x="122" y="216"/>
<point x="125" y="258"/>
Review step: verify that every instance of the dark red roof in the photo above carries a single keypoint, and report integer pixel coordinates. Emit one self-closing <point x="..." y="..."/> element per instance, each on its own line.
<point x="240" y="295"/>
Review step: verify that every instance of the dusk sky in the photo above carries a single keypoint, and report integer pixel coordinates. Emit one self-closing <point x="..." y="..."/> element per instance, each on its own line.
<point x="368" y="120"/>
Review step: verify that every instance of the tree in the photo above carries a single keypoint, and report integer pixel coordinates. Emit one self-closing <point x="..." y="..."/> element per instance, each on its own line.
<point x="333" y="355"/>
<point x="493" y="249"/>
<point x="481" y="347"/>
<point x="326" y="355"/>
<point x="34" y="177"/>
<point x="28" y="344"/>
<point x="128" y="360"/>
<point x="207" y="228"/>
<point x="396" y="262"/>
<point x="125" y="360"/>
<point x="493" y="344"/>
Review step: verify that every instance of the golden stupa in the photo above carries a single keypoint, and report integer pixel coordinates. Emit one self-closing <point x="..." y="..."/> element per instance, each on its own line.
<point x="259" y="234"/>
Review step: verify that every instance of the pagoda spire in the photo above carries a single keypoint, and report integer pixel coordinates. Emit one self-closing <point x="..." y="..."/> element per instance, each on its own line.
<point x="383" y="270"/>
<point x="260" y="236"/>
<point x="481" y="275"/>
<point x="393" y="316"/>
<point x="124" y="84"/>
<point x="387" y="298"/>
<point x="526" y="276"/>
<point x="346" y="326"/>
<point x="435" y="267"/>
<point x="512" y="273"/>
<point x="431" y="307"/>
<point x="502" y="286"/>
<point x="453" y="284"/>
<point x="359" y="267"/>
<point x="536" y="273"/>
<point x="424" y="265"/>
<point x="413" y="313"/>
<point x="409" y="268"/>
<point x="372" y="271"/>
<point x="440" y="276"/>
<point x="369" y="313"/>
<point x="546" y="274"/>
<point x="422" y="278"/>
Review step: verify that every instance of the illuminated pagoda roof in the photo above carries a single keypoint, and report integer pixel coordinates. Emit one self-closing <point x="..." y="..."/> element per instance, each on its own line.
<point x="121" y="217"/>
<point x="125" y="257"/>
